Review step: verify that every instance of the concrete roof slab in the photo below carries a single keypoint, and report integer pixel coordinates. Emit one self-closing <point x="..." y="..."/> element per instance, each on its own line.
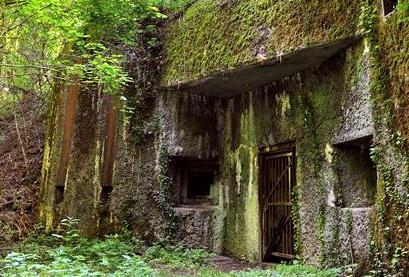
<point x="231" y="83"/>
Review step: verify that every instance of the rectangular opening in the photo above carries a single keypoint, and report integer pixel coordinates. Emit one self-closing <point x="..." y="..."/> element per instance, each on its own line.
<point x="59" y="195"/>
<point x="105" y="195"/>
<point x="389" y="6"/>
<point x="193" y="180"/>
<point x="357" y="175"/>
<point x="277" y="179"/>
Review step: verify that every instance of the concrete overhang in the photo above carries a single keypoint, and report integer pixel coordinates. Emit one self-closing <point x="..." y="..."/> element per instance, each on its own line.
<point x="231" y="83"/>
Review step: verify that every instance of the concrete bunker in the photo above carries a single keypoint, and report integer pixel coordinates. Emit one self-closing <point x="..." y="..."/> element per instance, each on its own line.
<point x="197" y="173"/>
<point x="269" y="207"/>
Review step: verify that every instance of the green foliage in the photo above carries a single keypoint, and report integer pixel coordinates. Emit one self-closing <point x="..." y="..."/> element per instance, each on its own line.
<point x="282" y="270"/>
<point x="175" y="256"/>
<point x="66" y="253"/>
<point x="375" y="154"/>
<point x="101" y="69"/>
<point x="294" y="270"/>
<point x="175" y="5"/>
<point x="8" y="103"/>
<point x="45" y="40"/>
<point x="367" y="19"/>
<point x="403" y="10"/>
<point x="213" y="272"/>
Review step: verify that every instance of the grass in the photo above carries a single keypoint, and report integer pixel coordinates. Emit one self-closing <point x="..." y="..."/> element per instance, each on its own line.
<point x="68" y="254"/>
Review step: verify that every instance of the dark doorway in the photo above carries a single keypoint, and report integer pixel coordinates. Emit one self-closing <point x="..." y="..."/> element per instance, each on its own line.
<point x="277" y="182"/>
<point x="389" y="6"/>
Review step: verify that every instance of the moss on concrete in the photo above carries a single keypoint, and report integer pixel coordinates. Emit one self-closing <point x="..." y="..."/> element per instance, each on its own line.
<point x="211" y="36"/>
<point x="241" y="172"/>
<point x="388" y="42"/>
<point x="394" y="51"/>
<point x="51" y="156"/>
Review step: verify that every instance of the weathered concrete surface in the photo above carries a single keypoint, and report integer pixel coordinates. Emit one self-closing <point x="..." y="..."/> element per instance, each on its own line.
<point x="356" y="118"/>
<point x="309" y="108"/>
<point x="355" y="234"/>
<point x="191" y="125"/>
<point x="197" y="227"/>
<point x="230" y="83"/>
<point x="213" y="36"/>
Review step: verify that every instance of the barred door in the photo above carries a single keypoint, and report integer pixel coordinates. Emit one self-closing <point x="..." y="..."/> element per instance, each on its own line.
<point x="277" y="181"/>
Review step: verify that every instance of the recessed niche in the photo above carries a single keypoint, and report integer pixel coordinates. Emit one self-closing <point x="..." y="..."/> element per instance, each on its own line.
<point x="389" y="6"/>
<point x="357" y="174"/>
<point x="193" y="181"/>
<point x="59" y="194"/>
<point x="105" y="194"/>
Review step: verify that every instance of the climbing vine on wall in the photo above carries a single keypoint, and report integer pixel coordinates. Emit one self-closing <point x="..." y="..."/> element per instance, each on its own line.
<point x="389" y="245"/>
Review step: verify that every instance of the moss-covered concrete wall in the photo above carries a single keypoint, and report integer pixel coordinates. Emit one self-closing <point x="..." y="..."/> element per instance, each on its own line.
<point x="163" y="128"/>
<point x="51" y="156"/>
<point x="80" y="185"/>
<point x="315" y="110"/>
<point x="388" y="38"/>
<point x="213" y="36"/>
<point x="174" y="126"/>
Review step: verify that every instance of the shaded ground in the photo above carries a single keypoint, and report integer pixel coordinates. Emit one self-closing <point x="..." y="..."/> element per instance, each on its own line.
<point x="228" y="264"/>
<point x="219" y="264"/>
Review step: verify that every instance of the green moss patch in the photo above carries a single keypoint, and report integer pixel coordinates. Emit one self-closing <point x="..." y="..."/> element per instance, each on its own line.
<point x="213" y="36"/>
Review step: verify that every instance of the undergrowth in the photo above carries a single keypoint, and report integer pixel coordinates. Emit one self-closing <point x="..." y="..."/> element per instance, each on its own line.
<point x="66" y="253"/>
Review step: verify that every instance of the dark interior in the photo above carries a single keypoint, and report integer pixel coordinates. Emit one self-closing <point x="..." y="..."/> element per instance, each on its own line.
<point x="199" y="184"/>
<point x="192" y="180"/>
<point x="105" y="194"/>
<point x="389" y="6"/>
<point x="59" y="194"/>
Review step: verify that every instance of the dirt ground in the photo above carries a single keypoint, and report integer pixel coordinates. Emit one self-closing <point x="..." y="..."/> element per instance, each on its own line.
<point x="221" y="263"/>
<point x="227" y="264"/>
<point x="21" y="149"/>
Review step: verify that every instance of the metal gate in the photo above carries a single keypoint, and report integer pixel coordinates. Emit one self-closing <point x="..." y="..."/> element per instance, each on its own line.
<point x="277" y="181"/>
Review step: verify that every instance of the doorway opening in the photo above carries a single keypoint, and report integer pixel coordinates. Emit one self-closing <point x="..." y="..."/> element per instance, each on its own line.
<point x="277" y="182"/>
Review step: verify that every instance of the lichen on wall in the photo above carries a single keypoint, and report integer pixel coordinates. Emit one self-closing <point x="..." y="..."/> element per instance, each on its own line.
<point x="52" y="152"/>
<point x="212" y="36"/>
<point x="307" y="108"/>
<point x="388" y="38"/>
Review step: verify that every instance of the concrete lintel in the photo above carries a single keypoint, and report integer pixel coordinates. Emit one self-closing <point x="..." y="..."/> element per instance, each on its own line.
<point x="231" y="83"/>
<point x="357" y="137"/>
